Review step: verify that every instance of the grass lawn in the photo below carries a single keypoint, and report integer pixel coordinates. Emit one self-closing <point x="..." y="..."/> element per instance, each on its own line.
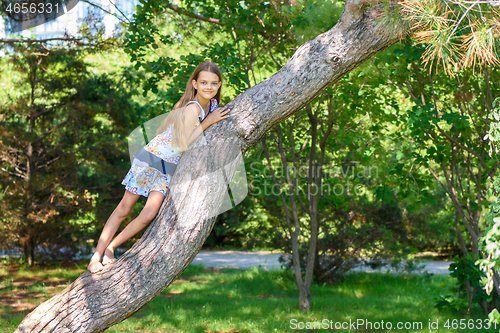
<point x="206" y="300"/>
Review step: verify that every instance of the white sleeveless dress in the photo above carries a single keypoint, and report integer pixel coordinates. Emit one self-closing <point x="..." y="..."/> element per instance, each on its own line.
<point x="154" y="164"/>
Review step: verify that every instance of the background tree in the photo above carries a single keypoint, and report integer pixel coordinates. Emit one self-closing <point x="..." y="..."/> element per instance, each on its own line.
<point x="38" y="165"/>
<point x="56" y="137"/>
<point x="448" y="120"/>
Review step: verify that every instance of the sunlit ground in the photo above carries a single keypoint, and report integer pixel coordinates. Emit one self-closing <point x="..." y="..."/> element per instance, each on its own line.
<point x="207" y="300"/>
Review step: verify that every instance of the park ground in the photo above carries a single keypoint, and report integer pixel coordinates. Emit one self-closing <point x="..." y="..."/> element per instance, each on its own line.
<point x="227" y="300"/>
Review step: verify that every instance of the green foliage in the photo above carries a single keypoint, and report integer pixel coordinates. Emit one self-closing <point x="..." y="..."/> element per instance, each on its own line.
<point x="494" y="316"/>
<point x="302" y="15"/>
<point x="311" y="18"/>
<point x="39" y="161"/>
<point x="360" y="179"/>
<point x="490" y="246"/>
<point x="144" y="39"/>
<point x="493" y="135"/>
<point x="465" y="272"/>
<point x="490" y="240"/>
<point x="75" y="123"/>
<point x="446" y="119"/>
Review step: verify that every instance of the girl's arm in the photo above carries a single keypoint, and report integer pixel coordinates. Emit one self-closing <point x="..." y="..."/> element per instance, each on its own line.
<point x="191" y="117"/>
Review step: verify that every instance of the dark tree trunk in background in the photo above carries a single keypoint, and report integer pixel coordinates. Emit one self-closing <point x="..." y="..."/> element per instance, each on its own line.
<point x="29" y="244"/>
<point x="94" y="302"/>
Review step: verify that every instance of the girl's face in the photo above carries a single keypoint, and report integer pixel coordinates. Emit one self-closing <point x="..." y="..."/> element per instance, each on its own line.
<point x="207" y="85"/>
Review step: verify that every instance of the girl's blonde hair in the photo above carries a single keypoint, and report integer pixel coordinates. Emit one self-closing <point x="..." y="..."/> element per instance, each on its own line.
<point x="176" y="117"/>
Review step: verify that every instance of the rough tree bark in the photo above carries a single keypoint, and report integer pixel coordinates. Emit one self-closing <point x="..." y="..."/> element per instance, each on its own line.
<point x="94" y="302"/>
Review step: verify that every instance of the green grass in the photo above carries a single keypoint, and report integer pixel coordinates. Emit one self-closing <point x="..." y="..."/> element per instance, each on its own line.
<point x="266" y="301"/>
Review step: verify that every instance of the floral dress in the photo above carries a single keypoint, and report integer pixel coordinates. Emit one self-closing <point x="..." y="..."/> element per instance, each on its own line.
<point x="155" y="163"/>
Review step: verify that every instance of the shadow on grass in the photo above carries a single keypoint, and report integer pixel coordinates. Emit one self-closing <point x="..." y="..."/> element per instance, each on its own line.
<point x="231" y="300"/>
<point x="24" y="288"/>
<point x="266" y="301"/>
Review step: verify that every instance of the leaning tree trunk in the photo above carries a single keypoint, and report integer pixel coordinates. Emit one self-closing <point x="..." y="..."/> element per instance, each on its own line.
<point x="94" y="302"/>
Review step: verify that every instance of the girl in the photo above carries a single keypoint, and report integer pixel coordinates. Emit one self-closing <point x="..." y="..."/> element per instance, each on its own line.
<point x="154" y="164"/>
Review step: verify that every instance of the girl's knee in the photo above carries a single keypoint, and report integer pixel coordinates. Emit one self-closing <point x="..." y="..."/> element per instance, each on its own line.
<point x="124" y="209"/>
<point x="148" y="214"/>
<point x="152" y="206"/>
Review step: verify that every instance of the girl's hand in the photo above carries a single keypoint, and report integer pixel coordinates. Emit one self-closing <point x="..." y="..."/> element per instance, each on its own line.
<point x="217" y="115"/>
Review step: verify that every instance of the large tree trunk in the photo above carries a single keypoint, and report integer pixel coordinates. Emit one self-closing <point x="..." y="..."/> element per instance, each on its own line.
<point x="94" y="302"/>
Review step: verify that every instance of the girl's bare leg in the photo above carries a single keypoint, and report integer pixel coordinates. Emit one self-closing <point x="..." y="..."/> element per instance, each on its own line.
<point x="155" y="199"/>
<point x="119" y="214"/>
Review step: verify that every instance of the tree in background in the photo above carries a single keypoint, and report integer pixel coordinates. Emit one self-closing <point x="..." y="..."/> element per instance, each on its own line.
<point x="56" y="153"/>
<point x="447" y="118"/>
<point x="39" y="162"/>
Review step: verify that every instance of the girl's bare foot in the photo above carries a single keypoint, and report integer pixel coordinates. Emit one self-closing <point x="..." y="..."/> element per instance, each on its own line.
<point x="95" y="266"/>
<point x="95" y="263"/>
<point x="108" y="257"/>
